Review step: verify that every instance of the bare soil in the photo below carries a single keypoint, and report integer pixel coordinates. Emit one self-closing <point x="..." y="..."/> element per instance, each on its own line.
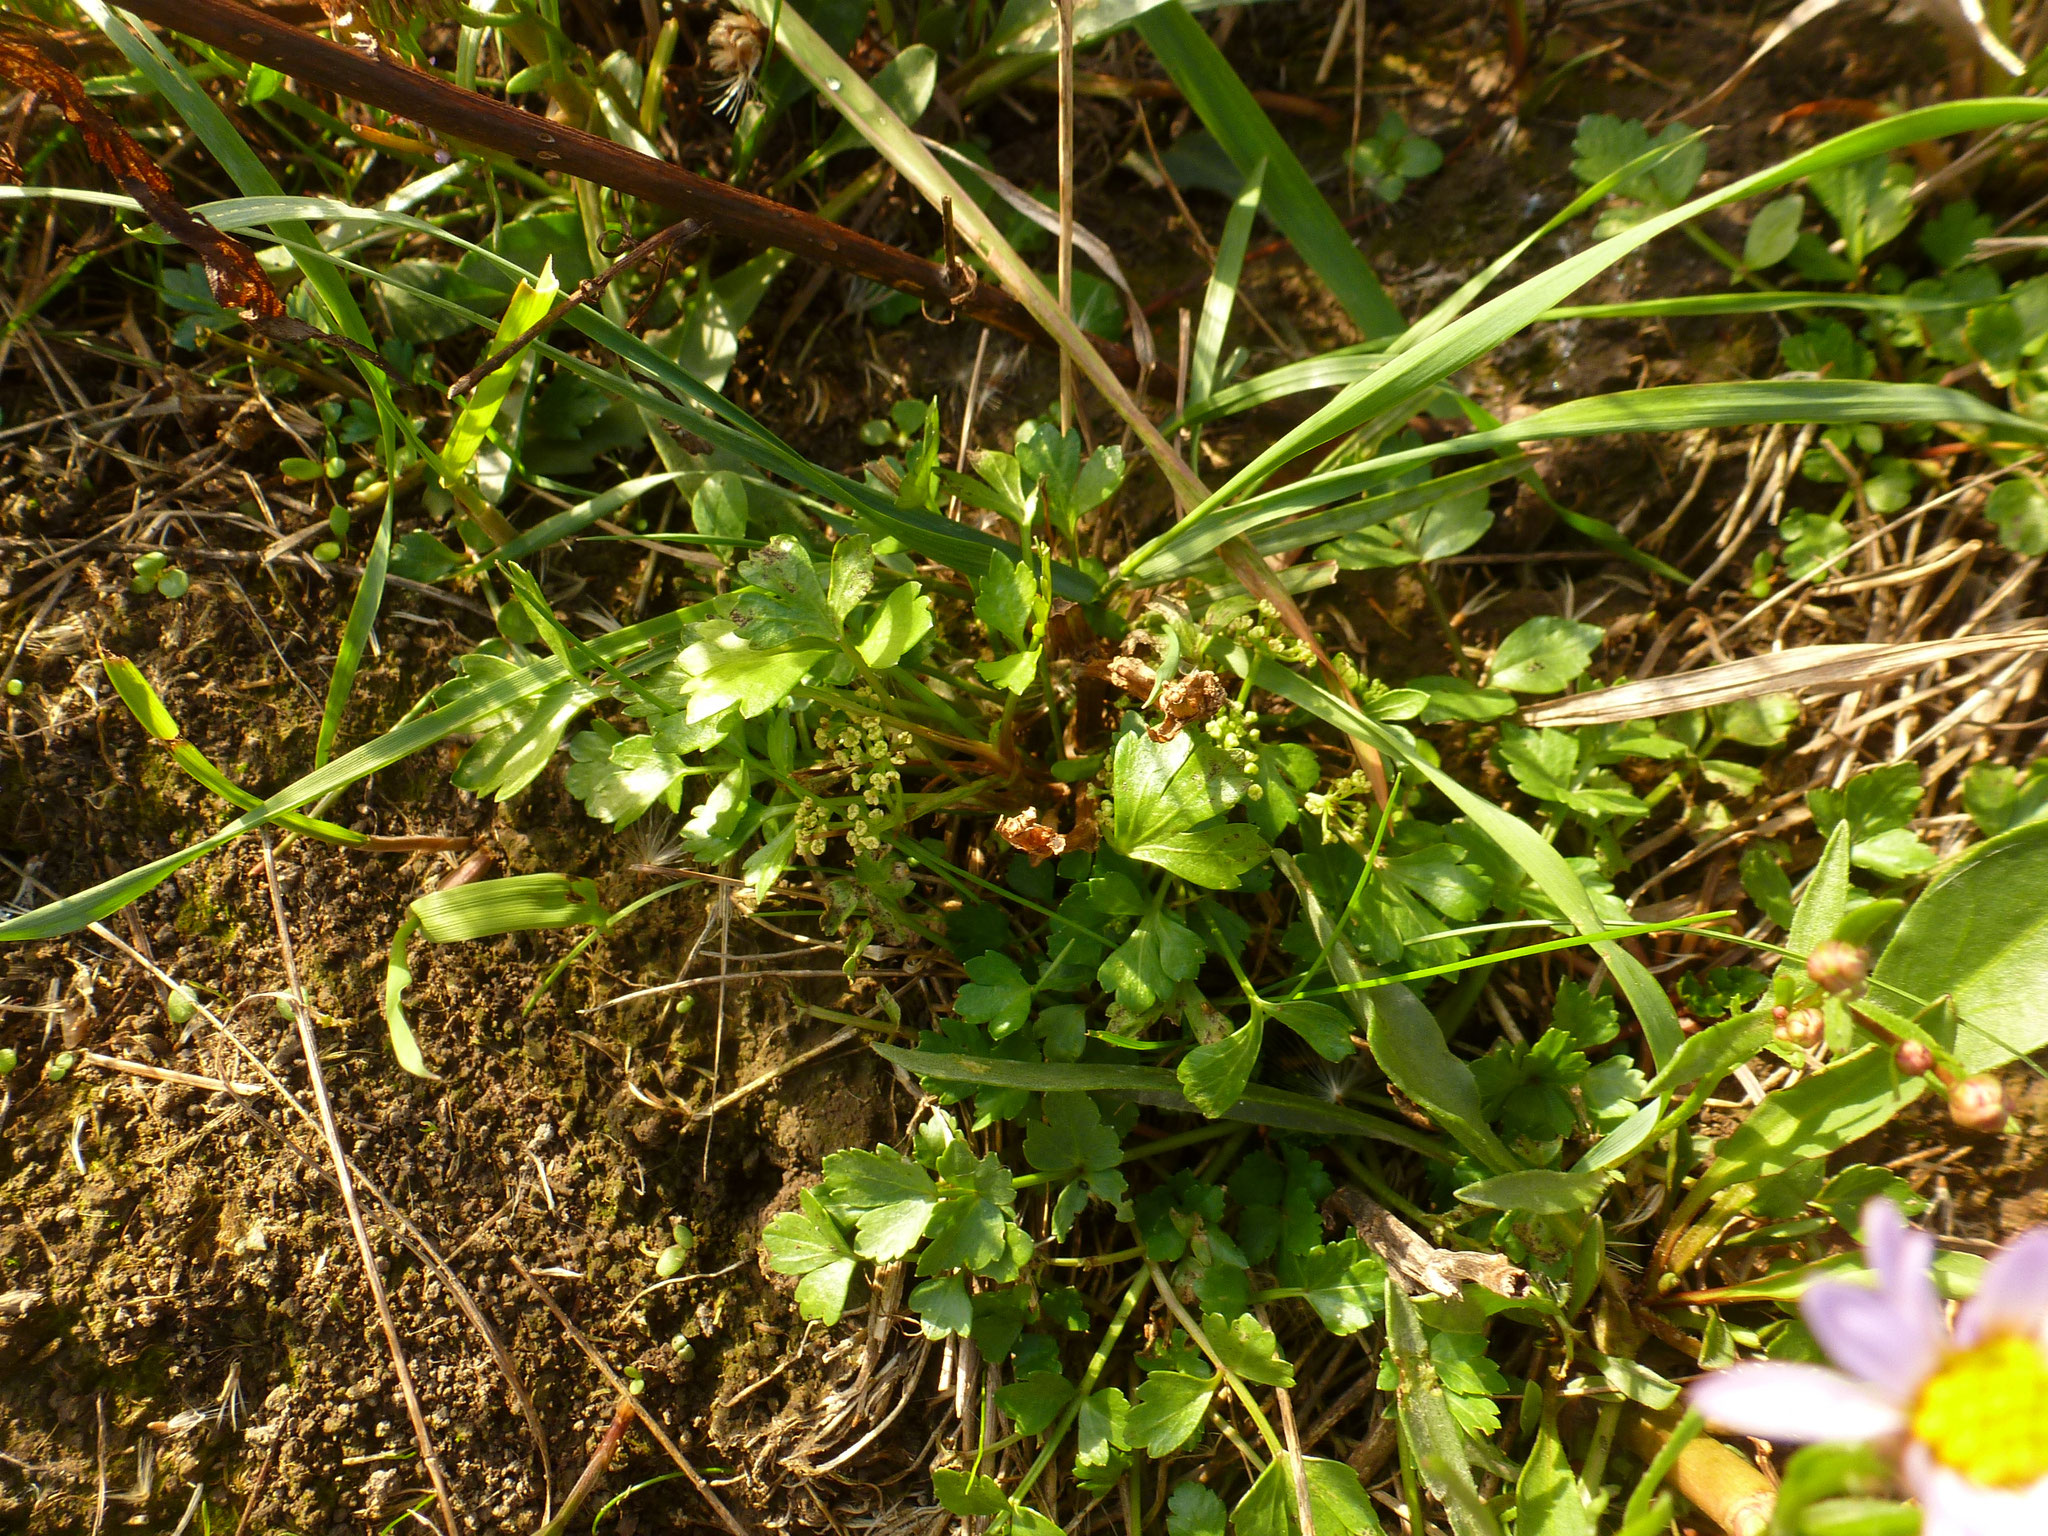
<point x="184" y="1301"/>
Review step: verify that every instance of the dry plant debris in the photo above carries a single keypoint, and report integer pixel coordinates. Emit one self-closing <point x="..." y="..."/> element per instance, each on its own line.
<point x="705" y="895"/>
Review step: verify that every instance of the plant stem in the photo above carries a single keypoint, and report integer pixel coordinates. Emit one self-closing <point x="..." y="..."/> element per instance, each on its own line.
<point x="1096" y="1363"/>
<point x="1238" y="1389"/>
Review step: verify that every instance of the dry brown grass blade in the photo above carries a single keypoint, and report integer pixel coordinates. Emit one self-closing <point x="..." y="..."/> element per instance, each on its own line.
<point x="726" y="1517"/>
<point x="309" y="1048"/>
<point x="232" y="273"/>
<point x="1803" y="669"/>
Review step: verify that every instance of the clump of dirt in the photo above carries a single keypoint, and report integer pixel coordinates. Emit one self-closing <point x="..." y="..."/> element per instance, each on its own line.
<point x="182" y="1303"/>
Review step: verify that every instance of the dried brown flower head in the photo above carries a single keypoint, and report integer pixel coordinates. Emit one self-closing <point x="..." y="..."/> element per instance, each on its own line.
<point x="735" y="49"/>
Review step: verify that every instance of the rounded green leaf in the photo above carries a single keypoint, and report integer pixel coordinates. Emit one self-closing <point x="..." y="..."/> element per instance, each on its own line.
<point x="1544" y="655"/>
<point x="1979" y="936"/>
<point x="1773" y="232"/>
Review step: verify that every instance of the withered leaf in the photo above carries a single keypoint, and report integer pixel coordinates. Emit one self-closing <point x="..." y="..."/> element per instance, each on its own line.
<point x="238" y="282"/>
<point x="1040" y="840"/>
<point x="1417" y="1264"/>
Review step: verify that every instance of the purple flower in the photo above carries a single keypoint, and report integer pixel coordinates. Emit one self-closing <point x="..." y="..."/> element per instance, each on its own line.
<point x="1966" y="1409"/>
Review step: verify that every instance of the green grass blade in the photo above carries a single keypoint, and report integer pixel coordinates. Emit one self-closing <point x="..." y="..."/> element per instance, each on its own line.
<point x="1781" y="301"/>
<point x="483" y="909"/>
<point x="1238" y="123"/>
<point x="150" y="713"/>
<point x="1545" y="866"/>
<point x="857" y="100"/>
<point x="1281" y="537"/>
<point x="70" y="913"/>
<point x="1221" y="295"/>
<point x="1464" y="341"/>
<point x="362" y="617"/>
<point x="1672" y="408"/>
<point x="405" y="1044"/>
<point x="170" y="79"/>
<point x="1332" y="370"/>
<point x="709" y="414"/>
<point x="1589" y="528"/>
<point x="1259" y="1105"/>
<point x="567" y="524"/>
<point x="1457" y="302"/>
<point x="528" y="307"/>
<point x="1432" y="1436"/>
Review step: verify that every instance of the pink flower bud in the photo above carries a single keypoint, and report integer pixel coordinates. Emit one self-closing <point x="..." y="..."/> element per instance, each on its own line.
<point x="1838" y="967"/>
<point x="1977" y="1104"/>
<point x="1803" y="1027"/>
<point x="1914" y="1059"/>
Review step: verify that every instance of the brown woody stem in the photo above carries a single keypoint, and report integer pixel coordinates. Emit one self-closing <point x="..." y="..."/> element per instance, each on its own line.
<point x="456" y="114"/>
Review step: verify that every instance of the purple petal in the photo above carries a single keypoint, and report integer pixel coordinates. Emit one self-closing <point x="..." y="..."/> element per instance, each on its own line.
<point x="1952" y="1505"/>
<point x="1864" y="1334"/>
<point x="1904" y="1261"/>
<point x="2014" y="1295"/>
<point x="1793" y="1404"/>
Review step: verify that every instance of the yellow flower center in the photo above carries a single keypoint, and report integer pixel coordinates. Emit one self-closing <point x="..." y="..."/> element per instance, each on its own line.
<point x="1984" y="1414"/>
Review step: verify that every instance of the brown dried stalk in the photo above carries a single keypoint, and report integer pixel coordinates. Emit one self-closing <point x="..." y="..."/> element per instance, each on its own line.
<point x="453" y="113"/>
<point x="1418" y="1264"/>
<point x="1719" y="1481"/>
<point x="232" y="273"/>
<point x="591" y="287"/>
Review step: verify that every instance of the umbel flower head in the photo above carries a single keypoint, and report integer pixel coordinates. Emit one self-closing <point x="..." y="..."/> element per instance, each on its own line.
<point x="1964" y="1409"/>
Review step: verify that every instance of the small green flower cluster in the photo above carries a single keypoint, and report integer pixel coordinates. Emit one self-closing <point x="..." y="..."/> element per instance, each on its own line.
<point x="872" y="756"/>
<point x="1349" y="675"/>
<point x="813" y="822"/>
<point x="1235" y="733"/>
<point x="1336" y="801"/>
<point x="1263" y="631"/>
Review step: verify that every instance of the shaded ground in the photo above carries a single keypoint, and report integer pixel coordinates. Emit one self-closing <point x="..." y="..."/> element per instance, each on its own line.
<point x="199" y="1316"/>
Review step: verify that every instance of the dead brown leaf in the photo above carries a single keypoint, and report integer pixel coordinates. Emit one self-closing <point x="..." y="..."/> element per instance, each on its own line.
<point x="1417" y="1264"/>
<point x="1040" y="840"/>
<point x="1806" y="668"/>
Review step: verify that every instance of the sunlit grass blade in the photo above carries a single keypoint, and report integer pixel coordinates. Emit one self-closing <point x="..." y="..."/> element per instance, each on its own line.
<point x="70" y="913"/>
<point x="1462" y="297"/>
<point x="1780" y="301"/>
<point x="906" y="83"/>
<point x="1672" y="408"/>
<point x="708" y="414"/>
<point x="1281" y="537"/>
<point x="206" y="120"/>
<point x="1591" y="529"/>
<point x="1406" y="374"/>
<point x="1544" y="865"/>
<point x="1430" y="1439"/>
<point x="481" y="910"/>
<point x="1331" y="370"/>
<point x="901" y="147"/>
<point x="567" y="524"/>
<point x="1259" y="1105"/>
<point x="1238" y="123"/>
<point x="1220" y="297"/>
<point x="150" y="712"/>
<point x="530" y="303"/>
